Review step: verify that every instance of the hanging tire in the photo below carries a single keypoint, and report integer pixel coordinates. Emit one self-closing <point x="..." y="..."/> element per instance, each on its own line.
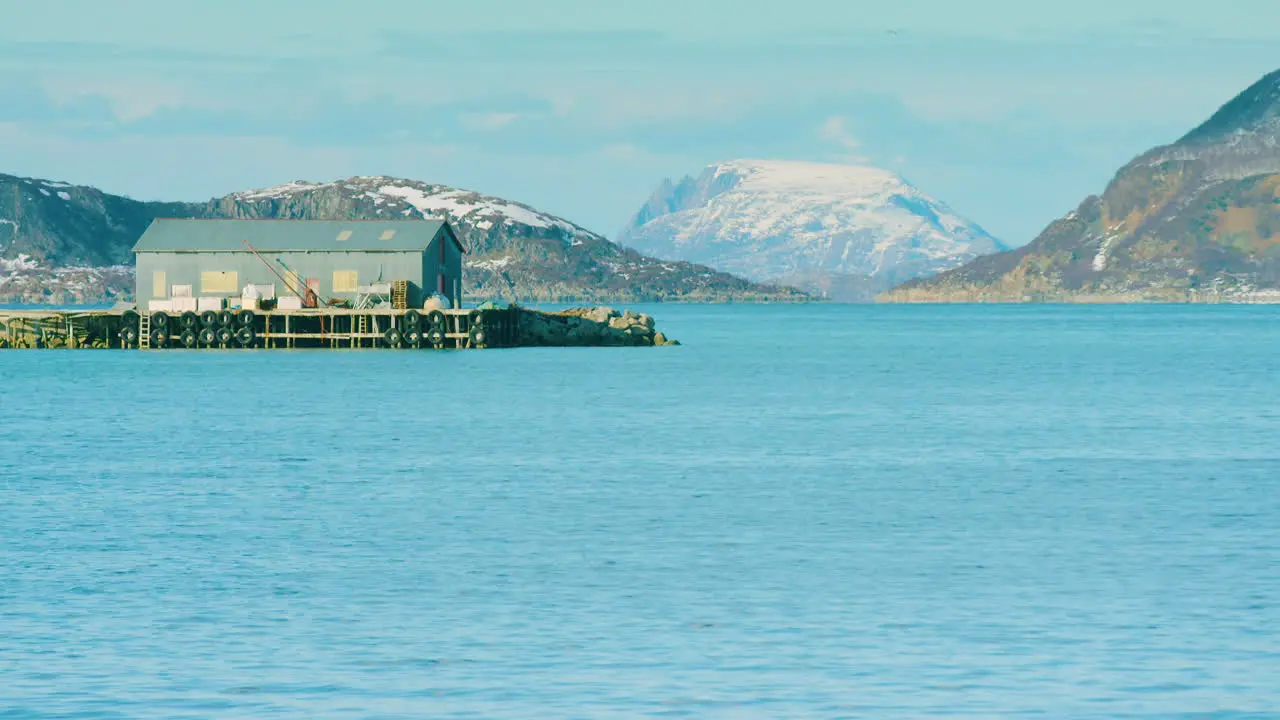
<point x="130" y="317"/>
<point x="159" y="320"/>
<point x="435" y="318"/>
<point x="412" y="319"/>
<point x="475" y="318"/>
<point x="245" y="336"/>
<point x="209" y="318"/>
<point x="435" y="335"/>
<point x="159" y="337"/>
<point x="413" y="337"/>
<point x="226" y="318"/>
<point x="188" y="338"/>
<point x="208" y="337"/>
<point x="224" y="335"/>
<point x="479" y="335"/>
<point x="129" y="335"/>
<point x="245" y="318"/>
<point x="391" y="337"/>
<point x="189" y="319"/>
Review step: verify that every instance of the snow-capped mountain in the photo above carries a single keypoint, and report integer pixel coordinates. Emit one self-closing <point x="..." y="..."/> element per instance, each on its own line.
<point x="769" y="219"/>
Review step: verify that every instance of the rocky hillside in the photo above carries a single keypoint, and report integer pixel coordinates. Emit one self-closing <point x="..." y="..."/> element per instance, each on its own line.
<point x="56" y="224"/>
<point x="836" y="230"/>
<point x="62" y="244"/>
<point x="1194" y="221"/>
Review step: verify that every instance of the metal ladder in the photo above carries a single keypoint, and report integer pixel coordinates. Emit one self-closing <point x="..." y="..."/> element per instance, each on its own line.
<point x="144" y="331"/>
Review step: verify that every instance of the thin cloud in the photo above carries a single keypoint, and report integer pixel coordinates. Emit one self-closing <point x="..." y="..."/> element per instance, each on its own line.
<point x="835" y="129"/>
<point x="491" y="121"/>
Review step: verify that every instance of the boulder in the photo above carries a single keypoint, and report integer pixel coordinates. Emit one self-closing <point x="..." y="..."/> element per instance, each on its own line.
<point x="601" y="314"/>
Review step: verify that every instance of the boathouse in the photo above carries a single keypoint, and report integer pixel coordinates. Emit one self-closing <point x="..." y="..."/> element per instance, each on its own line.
<point x="325" y="261"/>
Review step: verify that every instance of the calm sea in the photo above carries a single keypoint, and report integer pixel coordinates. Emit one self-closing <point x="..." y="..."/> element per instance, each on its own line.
<point x="804" y="512"/>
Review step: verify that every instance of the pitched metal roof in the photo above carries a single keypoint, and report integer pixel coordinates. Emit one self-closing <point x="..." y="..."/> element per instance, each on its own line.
<point x="218" y="235"/>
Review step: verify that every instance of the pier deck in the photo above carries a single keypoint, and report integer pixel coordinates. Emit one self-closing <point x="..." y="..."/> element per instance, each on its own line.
<point x="454" y="328"/>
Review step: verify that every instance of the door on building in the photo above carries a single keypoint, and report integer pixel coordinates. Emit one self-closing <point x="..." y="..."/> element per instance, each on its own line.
<point x="159" y="285"/>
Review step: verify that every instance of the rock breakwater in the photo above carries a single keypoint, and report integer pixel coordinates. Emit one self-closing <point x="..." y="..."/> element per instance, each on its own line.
<point x="590" y="326"/>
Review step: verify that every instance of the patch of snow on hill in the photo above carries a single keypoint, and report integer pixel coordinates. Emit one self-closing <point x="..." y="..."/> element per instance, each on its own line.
<point x="492" y="263"/>
<point x="1100" y="259"/>
<point x="461" y="203"/>
<point x="19" y="264"/>
<point x="426" y="203"/>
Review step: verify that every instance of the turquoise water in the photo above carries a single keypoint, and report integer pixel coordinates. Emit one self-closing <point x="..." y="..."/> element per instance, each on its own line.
<point x="804" y="512"/>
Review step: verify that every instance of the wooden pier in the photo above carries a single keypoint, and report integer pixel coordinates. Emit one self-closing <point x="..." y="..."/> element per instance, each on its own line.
<point x="263" y="329"/>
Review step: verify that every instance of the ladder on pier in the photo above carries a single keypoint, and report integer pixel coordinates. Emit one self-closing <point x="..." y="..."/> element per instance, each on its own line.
<point x="362" y="328"/>
<point x="144" y="331"/>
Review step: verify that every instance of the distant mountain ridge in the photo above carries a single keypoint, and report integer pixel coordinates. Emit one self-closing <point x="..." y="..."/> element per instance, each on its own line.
<point x="56" y="247"/>
<point x="817" y="225"/>
<point x="1197" y="221"/>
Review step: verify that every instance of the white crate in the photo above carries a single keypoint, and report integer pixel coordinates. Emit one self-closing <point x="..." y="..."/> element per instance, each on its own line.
<point x="185" y="304"/>
<point x="208" y="303"/>
<point x="289" y="302"/>
<point x="160" y="306"/>
<point x="267" y="292"/>
<point x="249" y="303"/>
<point x="180" y="291"/>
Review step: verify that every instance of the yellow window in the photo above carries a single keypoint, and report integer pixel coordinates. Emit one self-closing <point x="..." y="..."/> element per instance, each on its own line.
<point x="345" y="281"/>
<point x="158" y="288"/>
<point x="219" y="282"/>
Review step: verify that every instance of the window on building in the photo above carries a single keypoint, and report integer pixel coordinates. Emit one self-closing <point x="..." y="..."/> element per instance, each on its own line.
<point x="443" y="283"/>
<point x="345" y="281"/>
<point x="219" y="282"/>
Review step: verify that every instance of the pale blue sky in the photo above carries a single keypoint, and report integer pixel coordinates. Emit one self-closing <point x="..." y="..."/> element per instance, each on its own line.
<point x="1010" y="111"/>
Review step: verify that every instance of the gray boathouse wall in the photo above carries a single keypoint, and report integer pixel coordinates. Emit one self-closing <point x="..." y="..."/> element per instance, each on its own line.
<point x="422" y="270"/>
